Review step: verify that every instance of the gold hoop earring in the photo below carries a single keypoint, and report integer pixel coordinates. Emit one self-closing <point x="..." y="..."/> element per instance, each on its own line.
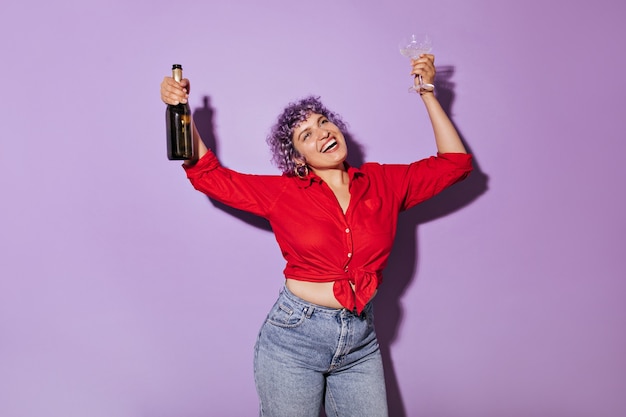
<point x="301" y="171"/>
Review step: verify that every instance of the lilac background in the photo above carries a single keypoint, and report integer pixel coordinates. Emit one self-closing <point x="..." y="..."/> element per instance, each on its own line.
<point x="126" y="293"/>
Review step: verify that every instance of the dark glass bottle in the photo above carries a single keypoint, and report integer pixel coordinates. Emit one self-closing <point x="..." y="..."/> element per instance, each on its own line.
<point x="178" y="125"/>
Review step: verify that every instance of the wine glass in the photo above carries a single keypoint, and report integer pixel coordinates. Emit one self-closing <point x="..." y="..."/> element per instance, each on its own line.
<point x="412" y="47"/>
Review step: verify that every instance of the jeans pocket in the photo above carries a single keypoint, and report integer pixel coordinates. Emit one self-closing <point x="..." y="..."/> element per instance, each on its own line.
<point x="285" y="315"/>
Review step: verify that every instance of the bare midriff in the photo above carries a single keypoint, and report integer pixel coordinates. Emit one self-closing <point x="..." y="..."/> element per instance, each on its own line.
<point x="320" y="293"/>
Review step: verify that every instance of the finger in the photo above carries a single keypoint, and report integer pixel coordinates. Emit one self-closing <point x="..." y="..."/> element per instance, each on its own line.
<point x="184" y="83"/>
<point x="170" y="85"/>
<point x="172" y="93"/>
<point x="425" y="59"/>
<point x="423" y="64"/>
<point x="425" y="70"/>
<point x="419" y="69"/>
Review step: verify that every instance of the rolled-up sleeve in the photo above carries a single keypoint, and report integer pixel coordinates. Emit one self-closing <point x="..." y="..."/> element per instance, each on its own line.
<point x="421" y="180"/>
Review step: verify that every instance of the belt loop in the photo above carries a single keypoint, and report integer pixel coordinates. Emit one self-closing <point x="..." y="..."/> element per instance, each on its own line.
<point x="308" y="311"/>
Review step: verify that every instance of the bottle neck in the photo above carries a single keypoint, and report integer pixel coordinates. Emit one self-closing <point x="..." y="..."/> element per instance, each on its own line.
<point x="177" y="73"/>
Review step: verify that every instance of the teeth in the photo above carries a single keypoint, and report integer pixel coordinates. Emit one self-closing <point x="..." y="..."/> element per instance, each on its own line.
<point x="330" y="145"/>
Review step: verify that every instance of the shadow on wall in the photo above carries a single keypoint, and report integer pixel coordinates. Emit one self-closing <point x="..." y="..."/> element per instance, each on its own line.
<point x="203" y="118"/>
<point x="401" y="268"/>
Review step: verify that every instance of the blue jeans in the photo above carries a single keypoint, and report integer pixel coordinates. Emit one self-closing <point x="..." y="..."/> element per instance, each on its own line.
<point x="308" y="355"/>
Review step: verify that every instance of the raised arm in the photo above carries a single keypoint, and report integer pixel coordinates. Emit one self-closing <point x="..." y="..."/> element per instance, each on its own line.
<point x="447" y="138"/>
<point x="174" y="93"/>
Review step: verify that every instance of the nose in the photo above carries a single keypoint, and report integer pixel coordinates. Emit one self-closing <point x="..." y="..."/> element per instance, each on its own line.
<point x="323" y="134"/>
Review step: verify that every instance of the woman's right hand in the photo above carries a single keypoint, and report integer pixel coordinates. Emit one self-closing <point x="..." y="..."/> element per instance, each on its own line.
<point x="173" y="92"/>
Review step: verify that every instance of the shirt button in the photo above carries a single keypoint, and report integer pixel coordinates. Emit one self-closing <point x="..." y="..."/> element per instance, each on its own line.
<point x="350" y="255"/>
<point x="347" y="230"/>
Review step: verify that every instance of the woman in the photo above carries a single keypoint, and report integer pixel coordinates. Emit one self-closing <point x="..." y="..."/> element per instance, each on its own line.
<point x="335" y="225"/>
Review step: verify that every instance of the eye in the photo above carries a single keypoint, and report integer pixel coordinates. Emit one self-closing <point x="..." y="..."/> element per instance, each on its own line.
<point x="306" y="136"/>
<point x="324" y="121"/>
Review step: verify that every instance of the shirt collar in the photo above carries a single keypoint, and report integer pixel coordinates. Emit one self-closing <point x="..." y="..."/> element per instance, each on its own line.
<point x="311" y="177"/>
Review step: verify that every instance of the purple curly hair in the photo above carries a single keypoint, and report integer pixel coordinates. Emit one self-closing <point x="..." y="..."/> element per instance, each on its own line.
<point x="280" y="138"/>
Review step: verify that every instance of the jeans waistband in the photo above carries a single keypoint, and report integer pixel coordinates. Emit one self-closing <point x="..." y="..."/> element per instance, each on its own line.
<point x="311" y="307"/>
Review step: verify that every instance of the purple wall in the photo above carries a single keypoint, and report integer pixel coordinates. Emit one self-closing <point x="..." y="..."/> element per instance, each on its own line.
<point x="124" y="292"/>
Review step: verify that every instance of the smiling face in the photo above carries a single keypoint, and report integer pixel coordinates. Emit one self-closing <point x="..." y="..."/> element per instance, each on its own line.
<point x="320" y="142"/>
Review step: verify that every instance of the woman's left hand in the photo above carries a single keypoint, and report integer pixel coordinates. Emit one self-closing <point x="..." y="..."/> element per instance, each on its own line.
<point x="424" y="66"/>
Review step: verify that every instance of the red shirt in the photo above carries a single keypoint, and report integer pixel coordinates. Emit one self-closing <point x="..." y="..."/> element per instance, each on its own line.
<point x="319" y="242"/>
